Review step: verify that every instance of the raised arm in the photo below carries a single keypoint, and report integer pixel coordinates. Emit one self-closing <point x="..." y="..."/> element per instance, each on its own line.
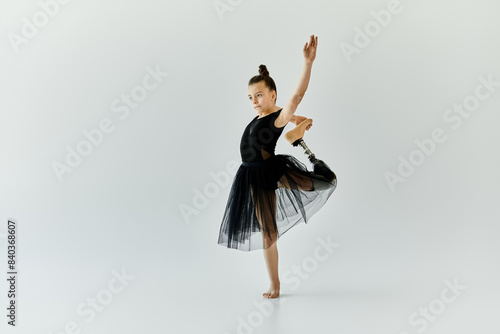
<point x="293" y="102"/>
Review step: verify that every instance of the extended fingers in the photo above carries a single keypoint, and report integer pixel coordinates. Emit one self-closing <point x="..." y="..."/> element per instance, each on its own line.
<point x="313" y="41"/>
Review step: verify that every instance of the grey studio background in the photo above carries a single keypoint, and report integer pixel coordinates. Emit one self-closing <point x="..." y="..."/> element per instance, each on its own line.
<point x="119" y="137"/>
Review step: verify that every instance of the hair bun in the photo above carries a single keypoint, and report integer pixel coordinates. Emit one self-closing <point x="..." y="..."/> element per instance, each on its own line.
<point x="263" y="70"/>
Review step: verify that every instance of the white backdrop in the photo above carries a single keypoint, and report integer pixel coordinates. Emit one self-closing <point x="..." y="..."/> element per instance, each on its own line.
<point x="119" y="136"/>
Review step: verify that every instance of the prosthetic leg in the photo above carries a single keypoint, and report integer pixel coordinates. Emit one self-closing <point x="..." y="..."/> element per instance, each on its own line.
<point x="295" y="137"/>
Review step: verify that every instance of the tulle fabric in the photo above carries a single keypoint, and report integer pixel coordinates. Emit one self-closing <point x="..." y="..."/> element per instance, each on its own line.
<point x="269" y="197"/>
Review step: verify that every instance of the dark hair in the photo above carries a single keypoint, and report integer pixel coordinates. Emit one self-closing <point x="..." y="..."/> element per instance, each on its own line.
<point x="264" y="76"/>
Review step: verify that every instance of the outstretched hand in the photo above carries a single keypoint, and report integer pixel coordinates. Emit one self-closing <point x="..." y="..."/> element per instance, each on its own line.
<point x="310" y="50"/>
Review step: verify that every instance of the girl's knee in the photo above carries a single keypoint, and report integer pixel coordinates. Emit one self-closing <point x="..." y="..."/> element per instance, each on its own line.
<point x="270" y="236"/>
<point x="269" y="241"/>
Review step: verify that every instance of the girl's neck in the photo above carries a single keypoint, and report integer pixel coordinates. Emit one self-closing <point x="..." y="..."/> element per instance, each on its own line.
<point x="273" y="110"/>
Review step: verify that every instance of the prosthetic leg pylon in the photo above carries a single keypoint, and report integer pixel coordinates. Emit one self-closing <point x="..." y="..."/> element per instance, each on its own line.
<point x="295" y="137"/>
<point x="319" y="166"/>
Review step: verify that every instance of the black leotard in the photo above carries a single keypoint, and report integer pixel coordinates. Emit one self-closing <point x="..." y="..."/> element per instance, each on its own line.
<point x="259" y="138"/>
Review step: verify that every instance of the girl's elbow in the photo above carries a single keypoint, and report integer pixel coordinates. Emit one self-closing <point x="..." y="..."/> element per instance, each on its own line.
<point x="297" y="98"/>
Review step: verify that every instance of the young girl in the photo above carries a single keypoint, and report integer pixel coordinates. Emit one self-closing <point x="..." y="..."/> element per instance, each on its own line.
<point x="271" y="193"/>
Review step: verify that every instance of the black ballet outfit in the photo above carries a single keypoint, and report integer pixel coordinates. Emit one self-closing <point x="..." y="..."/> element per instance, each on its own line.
<point x="270" y="192"/>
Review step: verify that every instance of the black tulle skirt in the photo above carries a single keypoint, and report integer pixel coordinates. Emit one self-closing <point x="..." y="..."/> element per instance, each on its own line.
<point x="269" y="197"/>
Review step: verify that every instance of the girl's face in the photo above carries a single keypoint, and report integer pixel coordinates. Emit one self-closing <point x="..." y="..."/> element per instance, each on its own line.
<point x="261" y="97"/>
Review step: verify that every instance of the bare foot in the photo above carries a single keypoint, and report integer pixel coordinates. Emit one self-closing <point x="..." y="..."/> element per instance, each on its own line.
<point x="298" y="131"/>
<point x="273" y="292"/>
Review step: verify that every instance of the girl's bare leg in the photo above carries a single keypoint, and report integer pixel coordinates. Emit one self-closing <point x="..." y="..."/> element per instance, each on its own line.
<point x="267" y="215"/>
<point x="271" y="256"/>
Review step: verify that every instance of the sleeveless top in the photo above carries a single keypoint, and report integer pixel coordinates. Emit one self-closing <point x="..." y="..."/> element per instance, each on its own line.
<point x="259" y="138"/>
